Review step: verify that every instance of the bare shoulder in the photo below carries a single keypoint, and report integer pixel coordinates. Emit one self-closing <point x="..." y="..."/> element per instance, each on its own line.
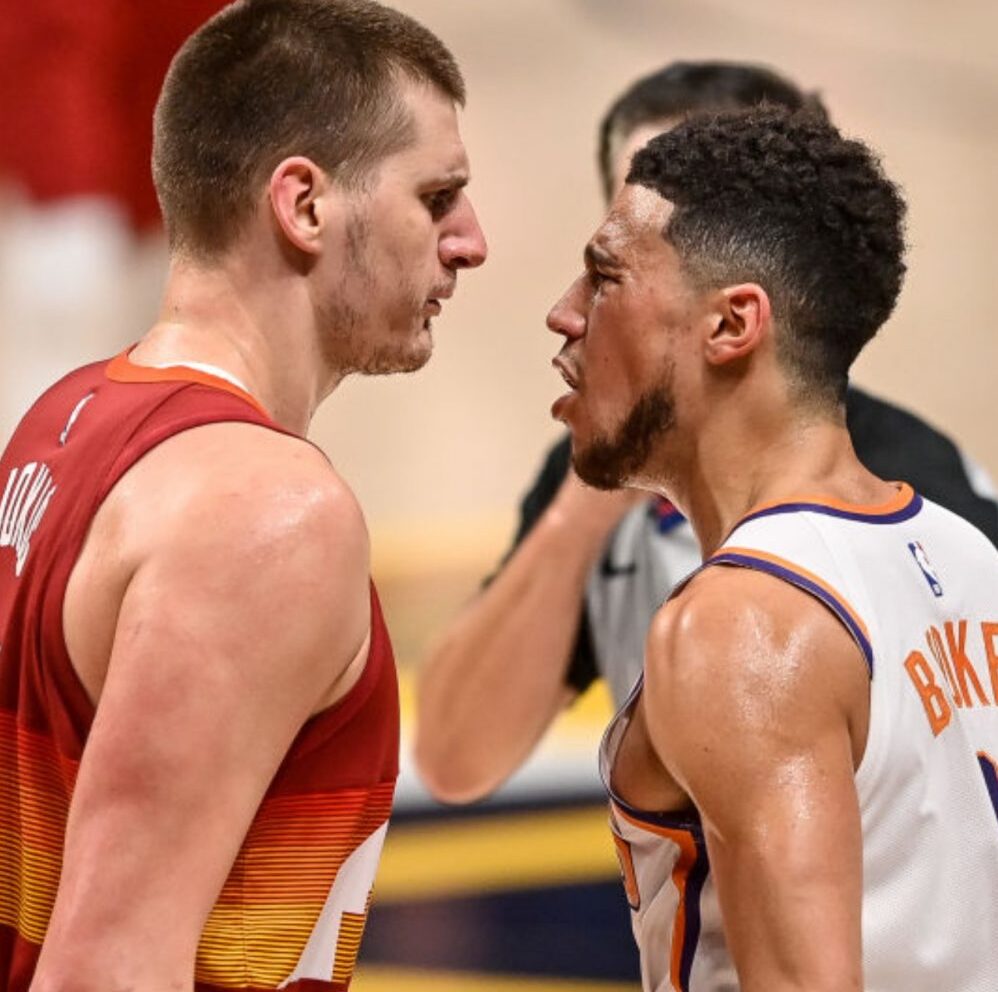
<point x="220" y="601"/>
<point x="754" y="646"/>
<point x="726" y="609"/>
<point x="242" y="484"/>
<point x="236" y="535"/>
<point x="259" y="509"/>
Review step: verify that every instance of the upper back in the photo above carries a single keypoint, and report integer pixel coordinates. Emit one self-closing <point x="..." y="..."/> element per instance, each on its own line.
<point x="63" y="460"/>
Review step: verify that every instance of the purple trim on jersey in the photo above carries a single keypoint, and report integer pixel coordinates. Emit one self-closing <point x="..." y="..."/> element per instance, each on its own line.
<point x="688" y="820"/>
<point x="898" y="516"/>
<point x="689" y="823"/>
<point x="990" y="779"/>
<point x="802" y="582"/>
<point x="694" y="888"/>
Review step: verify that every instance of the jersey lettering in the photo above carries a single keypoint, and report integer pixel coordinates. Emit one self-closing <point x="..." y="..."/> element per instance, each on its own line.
<point x="989" y="631"/>
<point x="956" y="641"/>
<point x="934" y="702"/>
<point x="25" y="499"/>
<point x="935" y="643"/>
<point x="959" y="672"/>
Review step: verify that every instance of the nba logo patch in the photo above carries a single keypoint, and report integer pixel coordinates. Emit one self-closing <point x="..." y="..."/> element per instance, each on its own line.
<point x="922" y="560"/>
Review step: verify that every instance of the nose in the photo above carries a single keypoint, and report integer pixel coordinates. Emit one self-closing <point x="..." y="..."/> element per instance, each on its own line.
<point x="462" y="245"/>
<point x="566" y="317"/>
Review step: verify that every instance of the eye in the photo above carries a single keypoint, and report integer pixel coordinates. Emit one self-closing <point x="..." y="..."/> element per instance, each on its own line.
<point x="598" y="280"/>
<point x="441" y="202"/>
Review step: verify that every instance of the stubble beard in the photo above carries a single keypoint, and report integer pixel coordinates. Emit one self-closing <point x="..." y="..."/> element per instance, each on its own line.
<point x="387" y="359"/>
<point x="347" y="342"/>
<point x="610" y="462"/>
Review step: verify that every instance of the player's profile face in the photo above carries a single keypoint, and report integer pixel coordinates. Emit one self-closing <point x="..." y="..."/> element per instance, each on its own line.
<point x="626" y="322"/>
<point x="407" y="233"/>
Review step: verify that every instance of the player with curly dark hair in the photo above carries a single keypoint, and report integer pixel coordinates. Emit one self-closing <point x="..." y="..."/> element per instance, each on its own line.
<point x="785" y="201"/>
<point x="803" y="785"/>
<point x="587" y="570"/>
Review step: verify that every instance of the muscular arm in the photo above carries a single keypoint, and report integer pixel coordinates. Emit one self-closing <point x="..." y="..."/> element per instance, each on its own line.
<point x="497" y="678"/>
<point x="245" y="610"/>
<point x="761" y="718"/>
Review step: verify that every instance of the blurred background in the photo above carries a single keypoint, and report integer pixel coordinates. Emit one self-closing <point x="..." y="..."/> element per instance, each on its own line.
<point x="440" y="459"/>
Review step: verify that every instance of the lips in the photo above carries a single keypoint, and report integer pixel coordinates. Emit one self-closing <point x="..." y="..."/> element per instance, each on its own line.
<point x="444" y="292"/>
<point x="434" y="304"/>
<point x="563" y="404"/>
<point x="568" y="372"/>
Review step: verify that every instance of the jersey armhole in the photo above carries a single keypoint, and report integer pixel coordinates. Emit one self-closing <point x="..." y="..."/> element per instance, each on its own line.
<point x="806" y="581"/>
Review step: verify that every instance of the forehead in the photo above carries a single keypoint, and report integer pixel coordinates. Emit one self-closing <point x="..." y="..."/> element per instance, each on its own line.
<point x="436" y="144"/>
<point x="631" y="233"/>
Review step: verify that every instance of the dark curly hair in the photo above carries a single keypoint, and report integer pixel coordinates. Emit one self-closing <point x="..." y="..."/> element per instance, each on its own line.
<point x="781" y="199"/>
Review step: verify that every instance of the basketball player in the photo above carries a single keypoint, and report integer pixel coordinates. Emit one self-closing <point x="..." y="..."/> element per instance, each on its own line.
<point x="198" y="704"/>
<point x="804" y="784"/>
<point x="575" y="595"/>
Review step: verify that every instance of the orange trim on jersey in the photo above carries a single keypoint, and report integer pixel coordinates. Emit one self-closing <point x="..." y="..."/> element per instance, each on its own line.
<point x="804" y="573"/>
<point x="905" y="495"/>
<point x="688" y="854"/>
<point x="275" y="891"/>
<point x="35" y="787"/>
<point x="122" y="369"/>
<point x="314" y="832"/>
<point x="627" y="872"/>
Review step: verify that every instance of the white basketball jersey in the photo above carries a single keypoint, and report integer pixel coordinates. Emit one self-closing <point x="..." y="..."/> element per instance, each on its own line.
<point x="917" y="588"/>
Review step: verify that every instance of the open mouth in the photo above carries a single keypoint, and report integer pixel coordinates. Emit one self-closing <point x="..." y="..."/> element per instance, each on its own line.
<point x="562" y="405"/>
<point x="566" y="371"/>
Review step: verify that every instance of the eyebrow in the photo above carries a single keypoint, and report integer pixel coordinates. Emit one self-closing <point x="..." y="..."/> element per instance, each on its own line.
<point x="454" y="179"/>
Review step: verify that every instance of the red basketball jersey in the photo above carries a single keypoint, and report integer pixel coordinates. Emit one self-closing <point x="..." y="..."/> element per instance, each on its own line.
<point x="296" y="899"/>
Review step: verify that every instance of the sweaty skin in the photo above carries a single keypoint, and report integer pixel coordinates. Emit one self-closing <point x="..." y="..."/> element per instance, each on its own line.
<point x="180" y="574"/>
<point x="223" y="594"/>
<point x="761" y="721"/>
<point x="756" y="700"/>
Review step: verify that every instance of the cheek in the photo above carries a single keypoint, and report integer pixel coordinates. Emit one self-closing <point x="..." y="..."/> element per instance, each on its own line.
<point x="619" y="357"/>
<point x="411" y="243"/>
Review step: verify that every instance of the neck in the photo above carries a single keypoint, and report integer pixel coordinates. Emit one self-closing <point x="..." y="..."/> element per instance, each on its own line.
<point x="252" y="321"/>
<point x="772" y="454"/>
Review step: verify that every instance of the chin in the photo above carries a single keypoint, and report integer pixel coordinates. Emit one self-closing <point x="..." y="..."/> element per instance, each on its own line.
<point x="598" y="466"/>
<point x="619" y="457"/>
<point x="419" y="351"/>
<point x="409" y="356"/>
<point x="414" y="361"/>
<point x="409" y="362"/>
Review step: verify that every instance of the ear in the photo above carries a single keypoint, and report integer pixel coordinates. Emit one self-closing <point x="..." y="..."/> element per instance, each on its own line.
<point x="298" y="190"/>
<point x="742" y="321"/>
